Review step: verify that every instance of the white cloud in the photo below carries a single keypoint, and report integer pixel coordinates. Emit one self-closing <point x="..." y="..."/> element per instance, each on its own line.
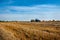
<point x="43" y="12"/>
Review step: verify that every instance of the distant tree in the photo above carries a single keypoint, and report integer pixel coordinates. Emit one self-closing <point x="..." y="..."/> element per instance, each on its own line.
<point x="32" y="20"/>
<point x="53" y="20"/>
<point x="37" y="20"/>
<point x="1" y="21"/>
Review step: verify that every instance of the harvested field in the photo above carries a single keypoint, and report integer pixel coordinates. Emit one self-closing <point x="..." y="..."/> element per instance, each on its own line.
<point x="29" y="30"/>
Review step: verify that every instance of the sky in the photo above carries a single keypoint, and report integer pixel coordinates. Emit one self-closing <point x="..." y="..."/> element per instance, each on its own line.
<point x="24" y="10"/>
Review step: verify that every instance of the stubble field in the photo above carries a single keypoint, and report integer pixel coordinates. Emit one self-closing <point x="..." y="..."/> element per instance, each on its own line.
<point x="29" y="30"/>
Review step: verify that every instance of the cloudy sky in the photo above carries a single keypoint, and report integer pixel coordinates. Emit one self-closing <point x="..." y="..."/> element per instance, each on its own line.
<point x="29" y="9"/>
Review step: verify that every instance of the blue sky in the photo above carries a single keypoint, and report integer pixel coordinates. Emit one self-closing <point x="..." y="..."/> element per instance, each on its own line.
<point x="29" y="9"/>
